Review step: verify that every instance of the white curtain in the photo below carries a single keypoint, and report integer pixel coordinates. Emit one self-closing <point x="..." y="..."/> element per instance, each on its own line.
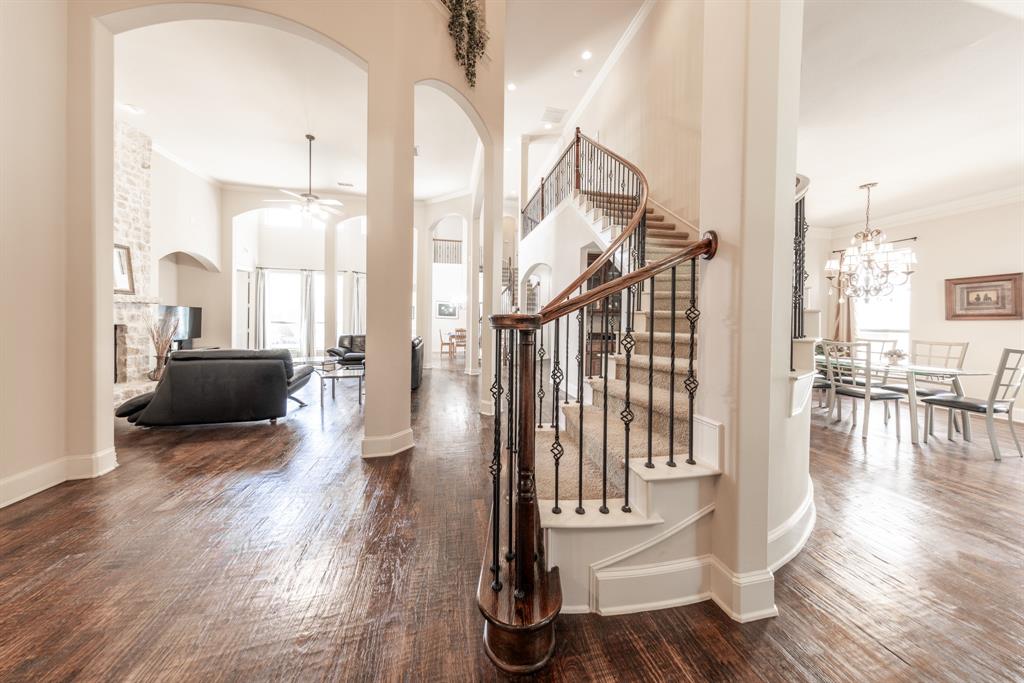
<point x="844" y="326"/>
<point x="359" y="304"/>
<point x="260" y="332"/>
<point x="307" y="316"/>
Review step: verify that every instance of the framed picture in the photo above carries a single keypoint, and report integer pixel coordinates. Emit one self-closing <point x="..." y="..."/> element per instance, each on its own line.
<point x="124" y="281"/>
<point x="446" y="309"/>
<point x="987" y="297"/>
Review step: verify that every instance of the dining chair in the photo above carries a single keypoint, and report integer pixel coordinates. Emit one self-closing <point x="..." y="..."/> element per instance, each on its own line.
<point x="848" y="365"/>
<point x="879" y="347"/>
<point x="941" y="355"/>
<point x="458" y="339"/>
<point x="446" y="346"/>
<point x="1001" y="397"/>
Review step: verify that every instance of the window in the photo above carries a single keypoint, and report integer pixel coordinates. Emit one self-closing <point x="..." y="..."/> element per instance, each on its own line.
<point x="283" y="309"/>
<point x="885" y="317"/>
<point x="318" y="311"/>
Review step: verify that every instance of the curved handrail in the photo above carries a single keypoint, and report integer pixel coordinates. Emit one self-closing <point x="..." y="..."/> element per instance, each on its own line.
<point x="803" y="183"/>
<point x="630" y="228"/>
<point x="705" y="248"/>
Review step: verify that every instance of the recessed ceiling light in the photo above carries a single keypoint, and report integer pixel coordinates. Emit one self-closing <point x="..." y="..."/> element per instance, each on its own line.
<point x="131" y="108"/>
<point x="587" y="54"/>
<point x="547" y="126"/>
<point x="511" y="87"/>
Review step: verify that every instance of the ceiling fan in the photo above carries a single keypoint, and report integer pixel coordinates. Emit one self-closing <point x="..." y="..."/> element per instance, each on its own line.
<point x="307" y="202"/>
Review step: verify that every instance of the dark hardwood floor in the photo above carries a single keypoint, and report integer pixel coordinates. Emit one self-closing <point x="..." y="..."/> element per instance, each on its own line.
<point x="259" y="552"/>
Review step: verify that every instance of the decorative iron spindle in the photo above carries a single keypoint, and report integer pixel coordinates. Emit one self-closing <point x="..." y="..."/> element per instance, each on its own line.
<point x="540" y="379"/>
<point x="691" y="384"/>
<point x="627" y="412"/>
<point x="556" y="448"/>
<point x="495" y="468"/>
<point x="567" y="365"/>
<point x="579" y="396"/>
<point x="671" y="377"/>
<point x="604" y="417"/>
<point x="650" y="376"/>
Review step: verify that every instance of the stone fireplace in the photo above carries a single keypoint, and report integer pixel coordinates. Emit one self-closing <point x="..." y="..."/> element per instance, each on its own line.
<point x="133" y="353"/>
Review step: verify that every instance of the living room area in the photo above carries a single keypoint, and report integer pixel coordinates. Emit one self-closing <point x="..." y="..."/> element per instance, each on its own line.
<point x="241" y="238"/>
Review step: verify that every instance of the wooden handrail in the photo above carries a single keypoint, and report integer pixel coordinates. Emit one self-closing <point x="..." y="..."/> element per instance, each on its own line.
<point x="705" y="248"/>
<point x="630" y="228"/>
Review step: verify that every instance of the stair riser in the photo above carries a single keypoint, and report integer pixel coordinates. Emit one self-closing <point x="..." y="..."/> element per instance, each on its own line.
<point x="663" y="348"/>
<point x="661" y="377"/>
<point x="659" y="422"/>
<point x="664" y="323"/>
<point x="664" y="303"/>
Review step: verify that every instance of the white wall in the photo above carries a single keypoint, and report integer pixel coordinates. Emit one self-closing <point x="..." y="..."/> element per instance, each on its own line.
<point x="986" y="241"/>
<point x="648" y="109"/>
<point x="184" y="212"/>
<point x="33" y="72"/>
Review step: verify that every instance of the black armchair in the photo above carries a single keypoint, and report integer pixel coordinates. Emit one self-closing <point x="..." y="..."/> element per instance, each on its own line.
<point x="351" y="349"/>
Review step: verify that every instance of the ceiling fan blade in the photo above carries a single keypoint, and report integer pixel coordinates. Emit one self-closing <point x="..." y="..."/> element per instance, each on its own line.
<point x="289" y="192"/>
<point x="330" y="202"/>
<point x="281" y="201"/>
<point x="333" y="212"/>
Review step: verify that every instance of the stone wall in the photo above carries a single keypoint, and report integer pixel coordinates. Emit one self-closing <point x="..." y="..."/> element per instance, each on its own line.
<point x="132" y="154"/>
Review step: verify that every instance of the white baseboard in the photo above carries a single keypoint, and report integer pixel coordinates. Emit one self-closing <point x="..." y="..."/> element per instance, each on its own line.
<point x="41" y="477"/>
<point x="746" y="596"/>
<point x="788" y="538"/>
<point x="389" y="444"/>
<point x="486" y="406"/>
<point x="651" y="587"/>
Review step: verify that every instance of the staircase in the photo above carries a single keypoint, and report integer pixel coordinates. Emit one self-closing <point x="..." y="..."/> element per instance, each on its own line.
<point x="602" y="556"/>
<point x="601" y="501"/>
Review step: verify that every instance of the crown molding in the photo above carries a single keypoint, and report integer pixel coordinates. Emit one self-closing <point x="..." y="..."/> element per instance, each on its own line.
<point x="446" y="197"/>
<point x="978" y="202"/>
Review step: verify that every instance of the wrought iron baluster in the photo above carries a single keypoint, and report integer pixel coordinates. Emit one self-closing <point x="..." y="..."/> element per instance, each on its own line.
<point x="627" y="412"/>
<point x="691" y="384"/>
<point x="540" y="379"/>
<point x="556" y="447"/>
<point x="567" y="365"/>
<point x="651" y="317"/>
<point x="579" y="400"/>
<point x="495" y="468"/>
<point x="671" y="377"/>
<point x="604" y="424"/>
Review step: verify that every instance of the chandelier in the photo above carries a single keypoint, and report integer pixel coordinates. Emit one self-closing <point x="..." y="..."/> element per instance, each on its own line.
<point x="870" y="267"/>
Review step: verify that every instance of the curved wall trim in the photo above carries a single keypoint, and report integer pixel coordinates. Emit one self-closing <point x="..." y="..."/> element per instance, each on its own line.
<point x="788" y="538"/>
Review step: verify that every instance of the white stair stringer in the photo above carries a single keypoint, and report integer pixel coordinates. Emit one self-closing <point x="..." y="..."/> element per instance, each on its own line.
<point x="656" y="556"/>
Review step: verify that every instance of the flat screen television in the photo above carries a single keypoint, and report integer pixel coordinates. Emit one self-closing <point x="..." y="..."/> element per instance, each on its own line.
<point x="190" y="321"/>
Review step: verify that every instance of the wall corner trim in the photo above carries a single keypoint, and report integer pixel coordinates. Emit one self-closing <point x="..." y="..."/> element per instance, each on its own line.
<point x="389" y="444"/>
<point x="29" y="482"/>
<point x="745" y="596"/>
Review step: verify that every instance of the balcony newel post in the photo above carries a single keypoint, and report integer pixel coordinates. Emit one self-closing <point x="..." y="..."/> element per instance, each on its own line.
<point x="527" y="510"/>
<point x="542" y="197"/>
<point x="576" y="154"/>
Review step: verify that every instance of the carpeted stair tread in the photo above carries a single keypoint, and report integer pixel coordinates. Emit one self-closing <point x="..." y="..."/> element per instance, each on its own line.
<point x="638" y="396"/>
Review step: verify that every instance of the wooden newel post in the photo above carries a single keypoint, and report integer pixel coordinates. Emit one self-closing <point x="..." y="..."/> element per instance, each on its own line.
<point x="527" y="510"/>
<point x="519" y="615"/>
<point x="576" y="151"/>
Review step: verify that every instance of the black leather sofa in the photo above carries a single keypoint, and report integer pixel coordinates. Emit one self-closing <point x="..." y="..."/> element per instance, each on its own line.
<point x="351" y="350"/>
<point x="231" y="385"/>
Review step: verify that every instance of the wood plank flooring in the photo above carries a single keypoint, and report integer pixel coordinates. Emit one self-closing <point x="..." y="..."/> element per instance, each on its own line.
<point x="259" y="552"/>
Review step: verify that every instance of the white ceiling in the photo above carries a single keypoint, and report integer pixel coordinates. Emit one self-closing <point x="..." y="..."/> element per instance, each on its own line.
<point x="543" y="43"/>
<point x="233" y="101"/>
<point x="926" y="98"/>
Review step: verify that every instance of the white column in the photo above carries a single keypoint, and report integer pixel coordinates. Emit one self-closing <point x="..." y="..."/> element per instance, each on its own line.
<point x="330" y="283"/>
<point x="471" y="259"/>
<point x="524" y="179"/>
<point x="748" y="149"/>
<point x="388" y="259"/>
<point x="493" y="160"/>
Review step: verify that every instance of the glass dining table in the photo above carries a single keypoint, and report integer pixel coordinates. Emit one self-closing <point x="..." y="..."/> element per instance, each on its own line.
<point x="913" y="374"/>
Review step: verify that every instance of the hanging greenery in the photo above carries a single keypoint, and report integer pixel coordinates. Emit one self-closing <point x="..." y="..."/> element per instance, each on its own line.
<point x="467" y="29"/>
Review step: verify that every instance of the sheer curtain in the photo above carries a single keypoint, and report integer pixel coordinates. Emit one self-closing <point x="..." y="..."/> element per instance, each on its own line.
<point x="307" y="316"/>
<point x="359" y="304"/>
<point x="260" y="329"/>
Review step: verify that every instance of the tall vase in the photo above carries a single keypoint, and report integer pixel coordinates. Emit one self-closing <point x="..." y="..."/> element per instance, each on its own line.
<point x="156" y="373"/>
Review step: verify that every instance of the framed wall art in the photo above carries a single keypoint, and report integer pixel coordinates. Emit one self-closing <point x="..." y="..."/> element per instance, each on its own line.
<point x="986" y="297"/>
